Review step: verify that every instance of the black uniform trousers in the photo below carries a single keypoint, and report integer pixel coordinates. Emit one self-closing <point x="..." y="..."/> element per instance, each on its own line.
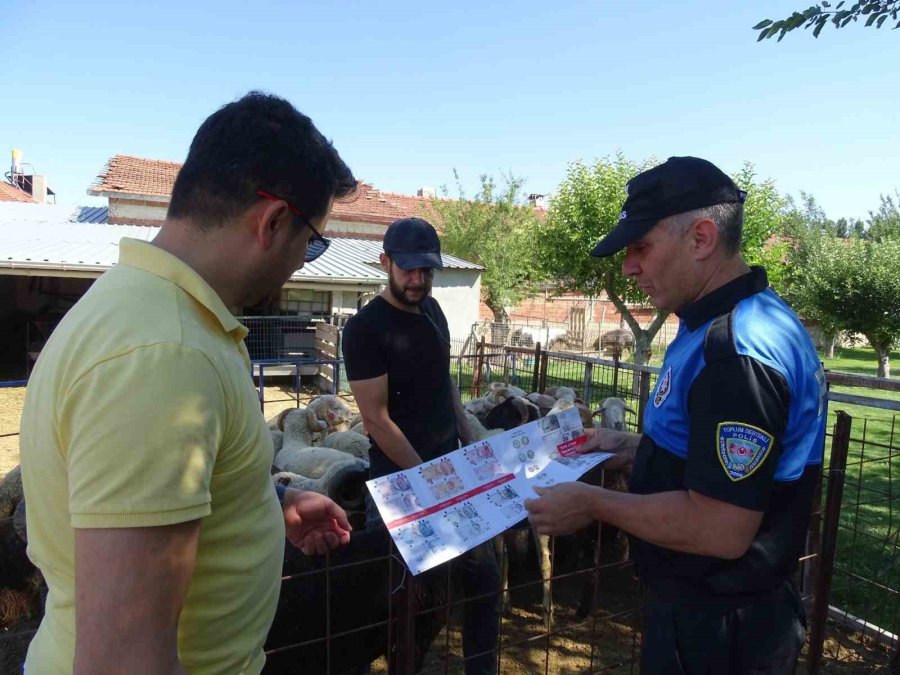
<point x="706" y="637"/>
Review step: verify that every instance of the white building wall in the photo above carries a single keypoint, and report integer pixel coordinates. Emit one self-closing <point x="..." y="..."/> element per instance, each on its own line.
<point x="124" y="212"/>
<point x="459" y="293"/>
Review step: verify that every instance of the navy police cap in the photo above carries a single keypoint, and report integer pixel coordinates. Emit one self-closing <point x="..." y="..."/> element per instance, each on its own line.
<point x="677" y="185"/>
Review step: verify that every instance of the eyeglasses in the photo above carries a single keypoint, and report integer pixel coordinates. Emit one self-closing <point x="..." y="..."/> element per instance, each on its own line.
<point x="317" y="244"/>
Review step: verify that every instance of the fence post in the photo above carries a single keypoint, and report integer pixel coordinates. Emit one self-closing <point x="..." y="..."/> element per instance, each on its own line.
<point x="406" y="620"/>
<point x="506" y="367"/>
<point x="514" y="379"/>
<point x="537" y="368"/>
<point x="479" y="364"/>
<point x="588" y="383"/>
<point x="542" y="383"/>
<point x="615" y="356"/>
<point x="643" y="397"/>
<point x="262" y="389"/>
<point x="840" y="444"/>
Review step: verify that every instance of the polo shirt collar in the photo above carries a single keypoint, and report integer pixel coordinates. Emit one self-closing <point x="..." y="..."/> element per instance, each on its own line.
<point x="144" y="255"/>
<point x="724" y="298"/>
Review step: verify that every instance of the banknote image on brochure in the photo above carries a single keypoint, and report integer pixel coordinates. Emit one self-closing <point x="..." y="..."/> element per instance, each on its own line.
<point x="442" y="508"/>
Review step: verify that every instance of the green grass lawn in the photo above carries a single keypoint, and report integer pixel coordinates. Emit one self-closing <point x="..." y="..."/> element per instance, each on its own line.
<point x="867" y="568"/>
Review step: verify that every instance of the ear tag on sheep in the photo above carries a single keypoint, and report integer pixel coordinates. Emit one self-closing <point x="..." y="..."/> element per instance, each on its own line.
<point x="741" y="448"/>
<point x="663" y="389"/>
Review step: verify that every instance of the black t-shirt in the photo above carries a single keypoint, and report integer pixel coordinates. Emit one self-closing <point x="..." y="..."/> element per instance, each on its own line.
<point x="414" y="351"/>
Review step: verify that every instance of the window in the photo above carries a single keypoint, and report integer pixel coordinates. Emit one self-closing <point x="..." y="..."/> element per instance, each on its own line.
<point x="304" y="302"/>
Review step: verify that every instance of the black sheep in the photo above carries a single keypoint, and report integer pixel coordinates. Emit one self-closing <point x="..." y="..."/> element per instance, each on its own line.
<point x="359" y="579"/>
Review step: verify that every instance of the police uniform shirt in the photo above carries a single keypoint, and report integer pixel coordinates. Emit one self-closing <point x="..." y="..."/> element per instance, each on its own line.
<point x="737" y="415"/>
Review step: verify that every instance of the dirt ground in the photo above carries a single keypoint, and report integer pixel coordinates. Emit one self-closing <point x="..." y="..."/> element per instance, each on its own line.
<point x="277" y="398"/>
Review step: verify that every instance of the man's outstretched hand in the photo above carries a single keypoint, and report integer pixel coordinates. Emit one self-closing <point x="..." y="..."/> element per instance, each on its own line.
<point x="313" y="523"/>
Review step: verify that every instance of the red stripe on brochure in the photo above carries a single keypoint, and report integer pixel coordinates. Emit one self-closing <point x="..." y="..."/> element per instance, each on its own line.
<point x="569" y="448"/>
<point x="450" y="502"/>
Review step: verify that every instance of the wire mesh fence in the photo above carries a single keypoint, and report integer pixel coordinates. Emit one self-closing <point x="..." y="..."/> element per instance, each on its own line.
<point x="341" y="612"/>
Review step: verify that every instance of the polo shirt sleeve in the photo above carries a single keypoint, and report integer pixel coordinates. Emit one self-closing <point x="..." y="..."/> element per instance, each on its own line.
<point x="142" y="431"/>
<point x="738" y="411"/>
<point x="363" y="357"/>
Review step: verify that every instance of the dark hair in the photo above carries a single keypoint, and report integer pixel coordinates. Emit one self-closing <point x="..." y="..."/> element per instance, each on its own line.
<point x="259" y="142"/>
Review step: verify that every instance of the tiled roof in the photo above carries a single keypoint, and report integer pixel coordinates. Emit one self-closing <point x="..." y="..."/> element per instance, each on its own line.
<point x="45" y="237"/>
<point x="10" y="193"/>
<point x="371" y="205"/>
<point x="136" y="175"/>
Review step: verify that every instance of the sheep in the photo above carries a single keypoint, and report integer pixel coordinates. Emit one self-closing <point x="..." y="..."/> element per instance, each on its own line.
<point x="612" y="413"/>
<point x="544" y="402"/>
<point x="324" y="414"/>
<point x="350" y="442"/>
<point x="311" y="462"/>
<point x="277" y="441"/>
<point x="359" y="428"/>
<point x="563" y="393"/>
<point x="328" y="413"/>
<point x="497" y="392"/>
<point x="354" y="587"/>
<point x="10" y="492"/>
<point x="344" y="483"/>
<point x="478" y="430"/>
<point x="513" y="412"/>
<point x="336" y="472"/>
<point x="20" y="580"/>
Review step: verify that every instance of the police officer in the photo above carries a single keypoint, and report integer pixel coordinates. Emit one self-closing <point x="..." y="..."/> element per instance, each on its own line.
<point x="724" y="472"/>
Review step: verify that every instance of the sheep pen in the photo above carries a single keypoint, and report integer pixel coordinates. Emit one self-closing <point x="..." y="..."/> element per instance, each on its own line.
<point x="608" y="639"/>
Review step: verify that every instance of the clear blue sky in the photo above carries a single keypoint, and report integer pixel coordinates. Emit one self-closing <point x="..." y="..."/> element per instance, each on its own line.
<point x="410" y="91"/>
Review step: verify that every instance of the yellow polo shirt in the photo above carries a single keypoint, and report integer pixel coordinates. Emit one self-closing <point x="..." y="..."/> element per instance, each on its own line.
<point x="141" y="412"/>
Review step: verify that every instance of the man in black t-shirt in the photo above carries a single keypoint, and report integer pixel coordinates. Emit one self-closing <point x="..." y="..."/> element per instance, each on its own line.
<point x="397" y="355"/>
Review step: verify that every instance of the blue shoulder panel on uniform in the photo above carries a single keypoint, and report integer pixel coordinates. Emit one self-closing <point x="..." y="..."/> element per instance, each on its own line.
<point x="767" y="330"/>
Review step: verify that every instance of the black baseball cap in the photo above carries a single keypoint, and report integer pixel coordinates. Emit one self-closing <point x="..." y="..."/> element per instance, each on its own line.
<point x="412" y="243"/>
<point x="677" y="185"/>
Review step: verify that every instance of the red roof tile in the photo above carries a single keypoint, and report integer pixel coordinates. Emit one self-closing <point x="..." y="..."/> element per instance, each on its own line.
<point x="135" y="175"/>
<point x="10" y="193"/>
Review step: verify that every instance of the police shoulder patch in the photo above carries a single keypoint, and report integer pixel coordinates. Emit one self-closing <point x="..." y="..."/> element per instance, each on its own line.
<point x="742" y="448"/>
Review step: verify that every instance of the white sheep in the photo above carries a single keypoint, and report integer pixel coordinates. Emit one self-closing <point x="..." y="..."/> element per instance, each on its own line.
<point x="334" y="475"/>
<point x="612" y="413"/>
<point x="350" y="442"/>
<point x="496" y="393"/>
<point x="330" y="411"/>
<point x="312" y="462"/>
<point x="277" y="441"/>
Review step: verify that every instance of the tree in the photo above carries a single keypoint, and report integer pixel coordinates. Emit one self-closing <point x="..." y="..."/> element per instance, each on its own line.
<point x="585" y="208"/>
<point x="885" y="222"/>
<point x="819" y="15"/>
<point x="495" y="229"/>
<point x="764" y="218"/>
<point x="853" y="285"/>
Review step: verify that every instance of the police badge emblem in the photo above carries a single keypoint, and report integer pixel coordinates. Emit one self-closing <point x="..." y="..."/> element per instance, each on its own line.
<point x="662" y="390"/>
<point x="741" y="448"/>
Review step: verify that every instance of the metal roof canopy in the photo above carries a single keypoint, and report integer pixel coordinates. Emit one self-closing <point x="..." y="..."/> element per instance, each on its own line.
<point x="38" y="238"/>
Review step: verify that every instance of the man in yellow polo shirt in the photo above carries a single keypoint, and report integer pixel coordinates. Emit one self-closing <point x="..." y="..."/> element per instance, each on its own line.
<point x="145" y="458"/>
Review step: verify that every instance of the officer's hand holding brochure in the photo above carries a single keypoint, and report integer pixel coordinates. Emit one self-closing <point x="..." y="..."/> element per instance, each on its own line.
<point x="442" y="508"/>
